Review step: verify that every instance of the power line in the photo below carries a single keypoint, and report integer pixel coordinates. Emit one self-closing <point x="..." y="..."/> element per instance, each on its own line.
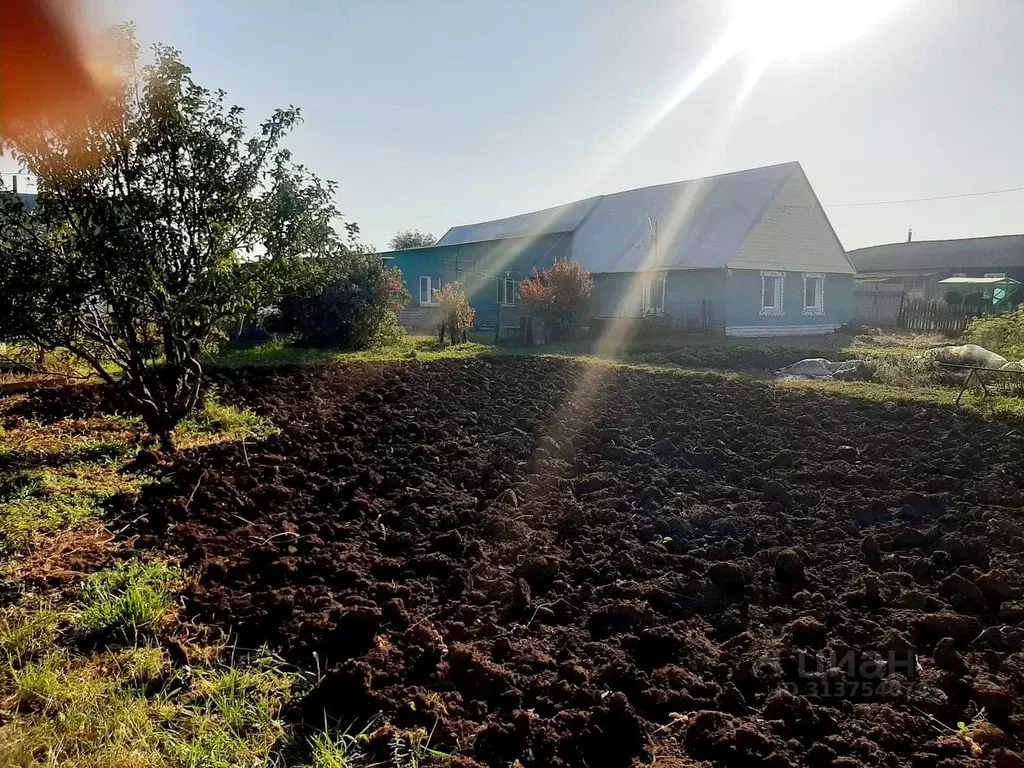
<point x="924" y="199"/>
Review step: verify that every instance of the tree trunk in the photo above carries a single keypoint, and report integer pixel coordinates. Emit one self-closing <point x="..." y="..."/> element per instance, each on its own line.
<point x="166" y="441"/>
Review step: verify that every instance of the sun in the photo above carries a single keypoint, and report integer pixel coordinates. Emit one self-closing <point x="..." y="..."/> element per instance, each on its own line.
<point x="797" y="29"/>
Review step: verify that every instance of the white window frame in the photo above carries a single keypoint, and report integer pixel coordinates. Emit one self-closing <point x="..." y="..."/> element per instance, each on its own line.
<point x="651" y="285"/>
<point x="780" y="294"/>
<point x="818" y="309"/>
<point x="433" y="284"/>
<point x="508" y="287"/>
<point x="996" y="274"/>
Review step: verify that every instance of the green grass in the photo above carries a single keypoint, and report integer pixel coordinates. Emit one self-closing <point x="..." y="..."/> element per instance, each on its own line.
<point x="216" y="418"/>
<point x="26" y="635"/>
<point x="125" y="705"/>
<point x="997" y="406"/>
<point x="131" y="708"/>
<point x="337" y="751"/>
<point x="413" y="347"/>
<point x="24" y="521"/>
<point x="130" y="597"/>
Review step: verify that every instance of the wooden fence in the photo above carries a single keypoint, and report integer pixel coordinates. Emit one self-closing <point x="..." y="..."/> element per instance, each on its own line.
<point x="923" y="315"/>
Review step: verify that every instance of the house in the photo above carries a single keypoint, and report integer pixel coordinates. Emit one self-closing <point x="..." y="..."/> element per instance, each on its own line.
<point x="918" y="267"/>
<point x="750" y="252"/>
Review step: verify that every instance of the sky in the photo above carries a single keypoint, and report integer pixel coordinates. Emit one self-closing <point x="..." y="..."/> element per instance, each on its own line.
<point x="434" y="113"/>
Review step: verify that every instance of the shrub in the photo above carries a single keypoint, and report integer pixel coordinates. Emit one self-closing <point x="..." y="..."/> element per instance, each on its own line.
<point x="456" y="314"/>
<point x="345" y="301"/>
<point x="1001" y="333"/>
<point x="561" y="296"/>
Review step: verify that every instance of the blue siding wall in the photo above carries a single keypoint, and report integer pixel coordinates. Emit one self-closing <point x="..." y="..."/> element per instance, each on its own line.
<point x="517" y="256"/>
<point x="743" y="305"/>
<point x="688" y="294"/>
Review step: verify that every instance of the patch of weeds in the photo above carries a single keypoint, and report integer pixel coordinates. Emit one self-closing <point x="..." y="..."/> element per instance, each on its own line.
<point x="902" y="371"/>
<point x="411" y="348"/>
<point x="99" y="481"/>
<point x="128" y="598"/>
<point x="38" y="684"/>
<point x="230" y="715"/>
<point x="882" y="393"/>
<point x="97" y="439"/>
<point x="24" y="520"/>
<point x="101" y="710"/>
<point x="27" y="633"/>
<point x="342" y="751"/>
<point x="216" y="418"/>
<point x="98" y="451"/>
<point x="135" y="667"/>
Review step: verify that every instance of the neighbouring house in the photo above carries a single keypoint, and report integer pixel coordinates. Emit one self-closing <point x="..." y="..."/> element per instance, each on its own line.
<point x="919" y="267"/>
<point x="750" y="253"/>
<point x="9" y="183"/>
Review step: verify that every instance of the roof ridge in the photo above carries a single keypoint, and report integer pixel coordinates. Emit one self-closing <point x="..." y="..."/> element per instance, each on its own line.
<point x="703" y="178"/>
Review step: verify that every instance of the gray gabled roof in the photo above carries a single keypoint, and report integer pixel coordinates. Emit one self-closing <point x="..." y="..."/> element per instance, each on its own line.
<point x="702" y="223"/>
<point x="999" y="251"/>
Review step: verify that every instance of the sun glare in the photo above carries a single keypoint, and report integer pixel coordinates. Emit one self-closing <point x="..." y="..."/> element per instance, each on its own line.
<point x="796" y="29"/>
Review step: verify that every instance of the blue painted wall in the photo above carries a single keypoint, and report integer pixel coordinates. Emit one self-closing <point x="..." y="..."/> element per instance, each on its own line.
<point x="743" y="301"/>
<point x="516" y="257"/>
<point x="688" y="294"/>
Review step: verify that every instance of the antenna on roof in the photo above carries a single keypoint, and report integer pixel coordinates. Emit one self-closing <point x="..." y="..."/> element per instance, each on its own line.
<point x="910" y="235"/>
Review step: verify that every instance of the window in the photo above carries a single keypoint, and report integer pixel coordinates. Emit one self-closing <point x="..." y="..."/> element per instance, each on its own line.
<point x="995" y="274"/>
<point x="814" y="294"/>
<point x="429" y="285"/>
<point x="653" y="294"/>
<point x="772" y="293"/>
<point x="508" y="291"/>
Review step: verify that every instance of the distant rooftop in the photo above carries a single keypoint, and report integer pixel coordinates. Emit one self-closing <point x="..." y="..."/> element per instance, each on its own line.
<point x="998" y="251"/>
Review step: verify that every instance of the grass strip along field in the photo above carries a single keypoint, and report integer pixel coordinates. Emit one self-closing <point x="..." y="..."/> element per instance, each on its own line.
<point x="99" y="665"/>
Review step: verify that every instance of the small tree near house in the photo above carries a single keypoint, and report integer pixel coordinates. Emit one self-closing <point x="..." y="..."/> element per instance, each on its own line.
<point x="561" y="296"/>
<point x="158" y="220"/>
<point x="456" y="313"/>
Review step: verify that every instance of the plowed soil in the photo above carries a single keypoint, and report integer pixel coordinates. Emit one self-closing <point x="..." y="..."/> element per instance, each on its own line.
<point x="558" y="564"/>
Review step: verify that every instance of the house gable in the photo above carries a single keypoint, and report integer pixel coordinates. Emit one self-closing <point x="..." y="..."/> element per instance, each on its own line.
<point x="793" y="235"/>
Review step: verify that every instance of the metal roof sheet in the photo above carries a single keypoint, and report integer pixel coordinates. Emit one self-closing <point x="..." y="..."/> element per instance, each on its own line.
<point x="998" y="251"/>
<point x="978" y="281"/>
<point x="562" y="218"/>
<point x="701" y="223"/>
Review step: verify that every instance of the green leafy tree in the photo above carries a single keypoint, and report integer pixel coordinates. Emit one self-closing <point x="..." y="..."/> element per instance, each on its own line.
<point x="344" y="301"/>
<point x="157" y="221"/>
<point x="456" y="313"/>
<point x="411" y="238"/>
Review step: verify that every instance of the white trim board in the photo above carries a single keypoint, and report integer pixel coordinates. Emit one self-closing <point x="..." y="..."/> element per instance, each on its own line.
<point x="753" y="331"/>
